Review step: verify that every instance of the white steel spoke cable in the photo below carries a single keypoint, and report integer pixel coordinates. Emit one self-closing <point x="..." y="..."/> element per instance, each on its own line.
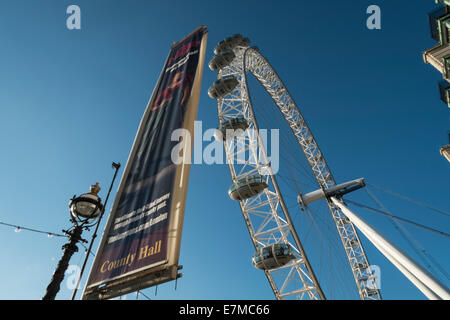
<point x="303" y="271"/>
<point x="286" y="154"/>
<point x="420" y="251"/>
<point x="437" y="264"/>
<point x="234" y="103"/>
<point x="333" y="262"/>
<point x="422" y="204"/>
<point x="415" y="246"/>
<point x="325" y="221"/>
<point x="315" y="237"/>
<point x="320" y="169"/>
<point x="442" y="233"/>
<point x="387" y="213"/>
<point x="423" y="254"/>
<point x="286" y="139"/>
<point x="322" y="241"/>
<point x="336" y="260"/>
<point x="325" y="247"/>
<point x="293" y="163"/>
<point x="293" y="182"/>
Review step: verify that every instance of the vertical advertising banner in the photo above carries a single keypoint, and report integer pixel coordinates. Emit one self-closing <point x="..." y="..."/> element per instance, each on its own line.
<point x="139" y="236"/>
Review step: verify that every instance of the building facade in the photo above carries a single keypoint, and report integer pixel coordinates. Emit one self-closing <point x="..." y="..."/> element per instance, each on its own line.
<point x="439" y="55"/>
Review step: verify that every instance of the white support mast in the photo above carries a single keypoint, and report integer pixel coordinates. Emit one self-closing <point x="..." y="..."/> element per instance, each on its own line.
<point x="421" y="278"/>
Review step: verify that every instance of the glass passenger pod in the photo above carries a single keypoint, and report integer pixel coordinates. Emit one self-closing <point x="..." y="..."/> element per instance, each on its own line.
<point x="221" y="60"/>
<point x="362" y="266"/>
<point x="232" y="127"/>
<point x="222" y="87"/>
<point x="344" y="221"/>
<point x="247" y="187"/>
<point x="352" y="243"/>
<point x="231" y="42"/>
<point x="371" y="292"/>
<point x="273" y="256"/>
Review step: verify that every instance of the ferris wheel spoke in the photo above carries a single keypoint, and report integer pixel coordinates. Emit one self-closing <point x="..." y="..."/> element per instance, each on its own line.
<point x="261" y="202"/>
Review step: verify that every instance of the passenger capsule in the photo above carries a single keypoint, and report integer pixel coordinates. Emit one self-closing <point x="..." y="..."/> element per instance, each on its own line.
<point x="247" y="187"/>
<point x="221" y="60"/>
<point x="344" y="221"/>
<point x="362" y="266"/>
<point x="222" y="87"/>
<point x="229" y="128"/>
<point x="231" y="42"/>
<point x="273" y="256"/>
<point x="371" y="292"/>
<point x="352" y="243"/>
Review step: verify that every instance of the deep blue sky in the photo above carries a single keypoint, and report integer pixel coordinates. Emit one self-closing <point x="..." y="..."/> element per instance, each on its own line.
<point x="71" y="102"/>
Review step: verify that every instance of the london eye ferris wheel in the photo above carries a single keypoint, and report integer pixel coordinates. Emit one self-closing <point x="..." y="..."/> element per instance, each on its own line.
<point x="279" y="250"/>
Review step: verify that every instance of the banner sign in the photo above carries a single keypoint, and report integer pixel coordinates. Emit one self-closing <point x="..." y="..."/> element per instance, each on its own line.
<point x="136" y="237"/>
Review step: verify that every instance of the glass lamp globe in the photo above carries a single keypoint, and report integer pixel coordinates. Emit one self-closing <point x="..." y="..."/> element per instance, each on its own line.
<point x="88" y="205"/>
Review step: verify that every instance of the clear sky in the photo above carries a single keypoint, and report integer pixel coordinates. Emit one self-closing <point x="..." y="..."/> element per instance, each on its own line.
<point x="71" y="102"/>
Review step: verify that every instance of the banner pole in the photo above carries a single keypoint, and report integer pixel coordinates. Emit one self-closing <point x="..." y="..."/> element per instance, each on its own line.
<point x="127" y="169"/>
<point x="116" y="166"/>
<point x="141" y="241"/>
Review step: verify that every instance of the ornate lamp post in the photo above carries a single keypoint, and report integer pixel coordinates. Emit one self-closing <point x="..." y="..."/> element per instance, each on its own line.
<point x="83" y="210"/>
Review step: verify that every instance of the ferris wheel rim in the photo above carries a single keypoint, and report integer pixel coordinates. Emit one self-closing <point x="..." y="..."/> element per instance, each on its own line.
<point x="274" y="180"/>
<point x="356" y="257"/>
<point x="307" y="288"/>
<point x="288" y="93"/>
<point x="285" y="90"/>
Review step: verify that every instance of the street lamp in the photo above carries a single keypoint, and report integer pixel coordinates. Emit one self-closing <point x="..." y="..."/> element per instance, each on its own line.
<point x="83" y="210"/>
<point x="87" y="206"/>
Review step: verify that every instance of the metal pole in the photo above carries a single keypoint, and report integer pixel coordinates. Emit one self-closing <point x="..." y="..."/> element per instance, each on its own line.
<point x="116" y="166"/>
<point x="423" y="280"/>
<point x="58" y="276"/>
<point x="425" y="290"/>
<point x="128" y="165"/>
